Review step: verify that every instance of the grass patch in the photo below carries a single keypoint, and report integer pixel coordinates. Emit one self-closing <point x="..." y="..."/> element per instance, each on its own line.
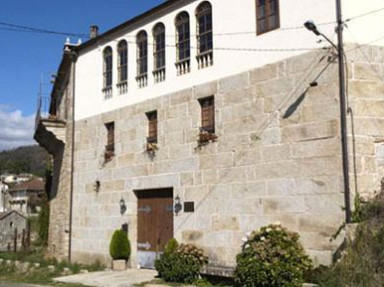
<point x="39" y="275"/>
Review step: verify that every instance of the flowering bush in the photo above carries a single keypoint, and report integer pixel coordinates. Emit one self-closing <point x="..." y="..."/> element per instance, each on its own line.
<point x="272" y="257"/>
<point x="152" y="148"/>
<point x="181" y="264"/>
<point x="204" y="138"/>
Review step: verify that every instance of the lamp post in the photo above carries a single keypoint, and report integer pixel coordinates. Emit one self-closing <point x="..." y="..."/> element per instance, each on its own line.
<point x="310" y="25"/>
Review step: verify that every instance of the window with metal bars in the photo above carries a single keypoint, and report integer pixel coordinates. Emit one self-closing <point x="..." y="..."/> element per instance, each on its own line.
<point x="122" y="49"/>
<point x="152" y="127"/>
<point x="183" y="42"/>
<point x="268" y="16"/>
<point x="110" y="147"/>
<point x="208" y="114"/>
<point x="204" y="28"/>
<point x="142" y="53"/>
<point x="159" y="46"/>
<point x="108" y="65"/>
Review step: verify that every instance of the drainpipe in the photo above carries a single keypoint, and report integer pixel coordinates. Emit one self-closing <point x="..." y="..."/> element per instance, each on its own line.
<point x="73" y="55"/>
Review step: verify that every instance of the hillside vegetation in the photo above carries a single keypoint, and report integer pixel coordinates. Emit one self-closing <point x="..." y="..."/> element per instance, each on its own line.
<point x="26" y="159"/>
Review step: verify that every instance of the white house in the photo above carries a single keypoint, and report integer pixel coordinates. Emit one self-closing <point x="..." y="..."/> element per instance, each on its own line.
<point x="204" y="120"/>
<point x="3" y="192"/>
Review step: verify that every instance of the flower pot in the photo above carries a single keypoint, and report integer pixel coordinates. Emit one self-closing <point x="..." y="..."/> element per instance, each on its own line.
<point x="119" y="265"/>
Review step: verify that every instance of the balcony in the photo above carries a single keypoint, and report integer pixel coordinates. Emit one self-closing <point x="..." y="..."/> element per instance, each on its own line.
<point x="205" y="59"/>
<point x="50" y="131"/>
<point x="142" y="80"/>
<point x="183" y="67"/>
<point x="159" y="75"/>
<point x="122" y="87"/>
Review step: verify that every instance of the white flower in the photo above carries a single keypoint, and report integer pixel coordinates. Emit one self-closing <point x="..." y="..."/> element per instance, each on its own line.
<point x="262" y="238"/>
<point x="268" y="230"/>
<point x="248" y="234"/>
<point x="246" y="245"/>
<point x="244" y="239"/>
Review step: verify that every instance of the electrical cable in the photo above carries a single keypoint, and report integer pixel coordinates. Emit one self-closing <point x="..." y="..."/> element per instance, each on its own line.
<point x="22" y="28"/>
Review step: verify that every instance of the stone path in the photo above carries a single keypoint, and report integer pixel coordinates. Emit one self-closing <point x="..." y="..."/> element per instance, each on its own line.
<point x="125" y="278"/>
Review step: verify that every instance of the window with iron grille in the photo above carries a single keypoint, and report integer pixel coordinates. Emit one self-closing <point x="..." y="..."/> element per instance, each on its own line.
<point x="152" y="127"/>
<point x="110" y="147"/>
<point x="183" y="37"/>
<point x="159" y="46"/>
<point x="204" y="28"/>
<point x="142" y="53"/>
<point x="267" y="13"/>
<point x="122" y="61"/>
<point x="208" y="114"/>
<point x="108" y="64"/>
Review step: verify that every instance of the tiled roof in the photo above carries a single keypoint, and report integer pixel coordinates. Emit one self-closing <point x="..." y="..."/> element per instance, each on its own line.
<point x="5" y="214"/>
<point x="34" y="184"/>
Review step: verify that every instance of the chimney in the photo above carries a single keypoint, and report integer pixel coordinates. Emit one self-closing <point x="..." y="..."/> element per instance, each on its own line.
<point x="94" y="31"/>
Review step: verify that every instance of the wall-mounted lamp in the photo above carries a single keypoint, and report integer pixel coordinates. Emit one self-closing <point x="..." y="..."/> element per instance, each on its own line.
<point x="97" y="185"/>
<point x="177" y="206"/>
<point x="123" y="207"/>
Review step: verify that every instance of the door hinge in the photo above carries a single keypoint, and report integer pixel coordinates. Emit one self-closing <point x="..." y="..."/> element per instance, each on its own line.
<point x="145" y="245"/>
<point x="146" y="209"/>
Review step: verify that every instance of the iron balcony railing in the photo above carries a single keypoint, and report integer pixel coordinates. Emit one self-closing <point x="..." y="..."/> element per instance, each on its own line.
<point x="42" y="111"/>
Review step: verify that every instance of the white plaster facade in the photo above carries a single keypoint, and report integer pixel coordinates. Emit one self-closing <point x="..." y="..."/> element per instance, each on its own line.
<point x="238" y="20"/>
<point x="3" y="192"/>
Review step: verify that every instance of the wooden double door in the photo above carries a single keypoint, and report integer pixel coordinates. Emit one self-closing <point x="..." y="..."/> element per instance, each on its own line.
<point x="154" y="223"/>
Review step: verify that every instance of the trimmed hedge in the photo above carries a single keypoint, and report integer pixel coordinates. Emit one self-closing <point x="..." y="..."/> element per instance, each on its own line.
<point x="120" y="247"/>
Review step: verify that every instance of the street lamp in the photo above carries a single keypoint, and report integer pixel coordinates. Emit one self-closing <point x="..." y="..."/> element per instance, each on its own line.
<point x="311" y="26"/>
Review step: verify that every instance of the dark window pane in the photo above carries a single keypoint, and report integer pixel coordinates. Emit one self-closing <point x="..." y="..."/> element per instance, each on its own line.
<point x="267" y="15"/>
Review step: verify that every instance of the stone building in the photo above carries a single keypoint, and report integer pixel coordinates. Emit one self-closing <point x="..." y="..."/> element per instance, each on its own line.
<point x="207" y="133"/>
<point x="9" y="222"/>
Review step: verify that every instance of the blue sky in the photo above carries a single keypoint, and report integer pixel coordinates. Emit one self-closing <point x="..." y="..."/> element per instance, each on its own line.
<point x="26" y="57"/>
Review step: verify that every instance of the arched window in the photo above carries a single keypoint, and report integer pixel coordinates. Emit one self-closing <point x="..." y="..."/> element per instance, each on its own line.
<point x="122" y="52"/>
<point x="107" y="72"/>
<point x="142" y="58"/>
<point x="159" y="52"/>
<point x="183" y="46"/>
<point x="122" y="49"/>
<point x="204" y="34"/>
<point x="267" y="13"/>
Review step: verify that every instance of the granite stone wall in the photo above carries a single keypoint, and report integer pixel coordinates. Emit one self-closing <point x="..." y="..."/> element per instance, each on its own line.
<point x="277" y="157"/>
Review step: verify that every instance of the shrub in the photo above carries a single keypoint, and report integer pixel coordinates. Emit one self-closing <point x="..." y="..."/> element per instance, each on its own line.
<point x="272" y="257"/>
<point x="180" y="263"/>
<point x="171" y="246"/>
<point x="120" y="247"/>
<point x="362" y="262"/>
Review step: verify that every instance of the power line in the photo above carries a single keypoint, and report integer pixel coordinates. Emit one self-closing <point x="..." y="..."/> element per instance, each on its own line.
<point x="242" y="49"/>
<point x="22" y="28"/>
<point x="365" y="14"/>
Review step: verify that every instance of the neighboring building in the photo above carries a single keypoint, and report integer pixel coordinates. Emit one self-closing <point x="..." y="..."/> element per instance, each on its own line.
<point x="15" y="179"/>
<point x="23" y="196"/>
<point x="3" y="193"/>
<point x="204" y="120"/>
<point x="9" y="221"/>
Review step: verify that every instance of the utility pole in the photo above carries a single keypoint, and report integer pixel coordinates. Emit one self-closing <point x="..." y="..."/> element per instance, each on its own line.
<point x="343" y="110"/>
<point x="311" y="26"/>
